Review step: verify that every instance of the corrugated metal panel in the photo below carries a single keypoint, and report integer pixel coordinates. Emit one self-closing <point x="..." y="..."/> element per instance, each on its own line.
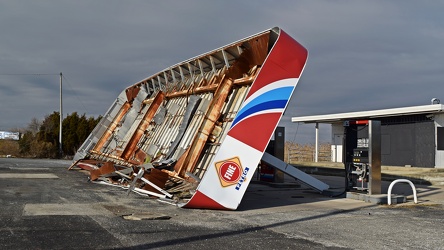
<point x="113" y="140"/>
<point x="407" y="144"/>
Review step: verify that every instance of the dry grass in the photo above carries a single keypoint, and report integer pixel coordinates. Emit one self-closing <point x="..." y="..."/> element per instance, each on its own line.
<point x="9" y="147"/>
<point x="295" y="152"/>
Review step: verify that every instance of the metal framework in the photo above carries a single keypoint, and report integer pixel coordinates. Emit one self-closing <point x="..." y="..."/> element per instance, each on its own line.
<point x="171" y="125"/>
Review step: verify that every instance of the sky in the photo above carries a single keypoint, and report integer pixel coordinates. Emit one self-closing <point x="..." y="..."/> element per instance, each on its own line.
<point x="363" y="55"/>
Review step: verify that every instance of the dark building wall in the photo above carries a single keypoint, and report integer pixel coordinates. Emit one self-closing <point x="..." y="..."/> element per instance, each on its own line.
<point x="408" y="144"/>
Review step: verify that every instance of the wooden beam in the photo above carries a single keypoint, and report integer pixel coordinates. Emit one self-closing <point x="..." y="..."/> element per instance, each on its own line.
<point x="188" y="161"/>
<point x="110" y="130"/>
<point x="135" y="138"/>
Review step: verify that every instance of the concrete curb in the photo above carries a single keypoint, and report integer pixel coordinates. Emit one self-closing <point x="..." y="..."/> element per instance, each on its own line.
<point x="418" y="176"/>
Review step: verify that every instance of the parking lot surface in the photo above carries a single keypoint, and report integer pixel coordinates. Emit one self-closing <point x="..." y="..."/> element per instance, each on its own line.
<point x="45" y="206"/>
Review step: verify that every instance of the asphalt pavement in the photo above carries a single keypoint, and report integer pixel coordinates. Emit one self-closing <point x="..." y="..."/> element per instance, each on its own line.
<point x="45" y="206"/>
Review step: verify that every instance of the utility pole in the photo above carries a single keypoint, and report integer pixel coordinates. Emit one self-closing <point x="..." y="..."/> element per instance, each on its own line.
<point x="61" y="118"/>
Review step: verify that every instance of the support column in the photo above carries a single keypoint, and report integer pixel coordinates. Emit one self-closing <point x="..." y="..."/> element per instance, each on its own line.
<point x="374" y="154"/>
<point x="317" y="143"/>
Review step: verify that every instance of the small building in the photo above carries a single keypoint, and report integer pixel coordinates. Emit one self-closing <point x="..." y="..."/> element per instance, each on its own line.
<point x="410" y="136"/>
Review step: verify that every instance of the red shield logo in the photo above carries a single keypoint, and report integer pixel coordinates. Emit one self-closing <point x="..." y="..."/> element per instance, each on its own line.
<point x="229" y="171"/>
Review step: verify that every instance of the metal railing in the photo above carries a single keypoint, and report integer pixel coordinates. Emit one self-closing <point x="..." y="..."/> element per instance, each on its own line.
<point x="389" y="193"/>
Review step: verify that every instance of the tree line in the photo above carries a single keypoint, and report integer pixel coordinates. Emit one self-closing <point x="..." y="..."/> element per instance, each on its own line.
<point x="40" y="139"/>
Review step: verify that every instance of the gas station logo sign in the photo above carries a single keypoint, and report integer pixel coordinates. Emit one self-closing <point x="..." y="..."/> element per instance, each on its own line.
<point x="229" y="171"/>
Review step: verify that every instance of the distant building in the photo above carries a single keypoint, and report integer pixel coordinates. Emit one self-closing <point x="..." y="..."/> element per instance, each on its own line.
<point x="6" y="135"/>
<point x="410" y="136"/>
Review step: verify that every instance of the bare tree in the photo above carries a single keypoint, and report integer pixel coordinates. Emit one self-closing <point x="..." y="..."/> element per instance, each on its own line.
<point x="34" y="125"/>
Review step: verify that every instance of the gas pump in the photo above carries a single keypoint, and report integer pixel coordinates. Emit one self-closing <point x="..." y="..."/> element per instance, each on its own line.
<point x="276" y="148"/>
<point x="362" y="156"/>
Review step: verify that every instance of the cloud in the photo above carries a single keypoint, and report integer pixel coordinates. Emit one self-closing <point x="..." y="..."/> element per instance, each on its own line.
<point x="363" y="55"/>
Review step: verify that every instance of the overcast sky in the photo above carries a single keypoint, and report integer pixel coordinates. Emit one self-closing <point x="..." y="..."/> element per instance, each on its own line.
<point x="363" y="55"/>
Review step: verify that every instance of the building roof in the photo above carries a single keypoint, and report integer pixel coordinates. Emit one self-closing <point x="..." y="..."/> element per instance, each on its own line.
<point x="332" y="118"/>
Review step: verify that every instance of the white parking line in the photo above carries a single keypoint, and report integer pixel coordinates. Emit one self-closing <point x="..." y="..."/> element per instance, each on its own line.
<point x="27" y="176"/>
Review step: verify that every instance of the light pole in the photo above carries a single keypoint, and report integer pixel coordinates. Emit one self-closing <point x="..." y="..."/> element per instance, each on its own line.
<point x="61" y="118"/>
